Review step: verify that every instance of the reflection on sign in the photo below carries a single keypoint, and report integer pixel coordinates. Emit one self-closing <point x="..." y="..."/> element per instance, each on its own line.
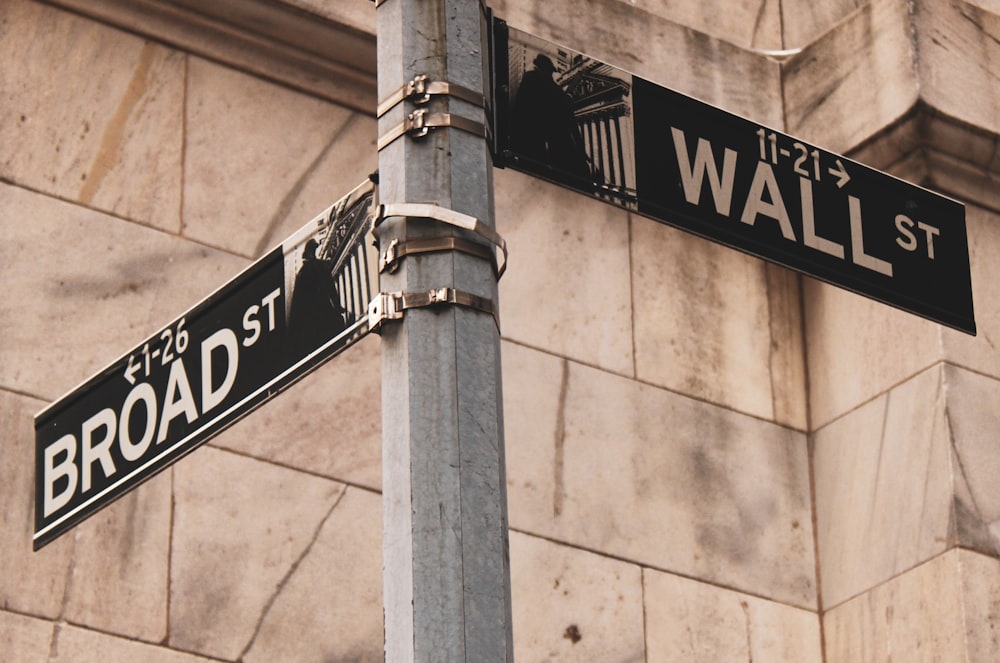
<point x="294" y="308"/>
<point x="567" y="117"/>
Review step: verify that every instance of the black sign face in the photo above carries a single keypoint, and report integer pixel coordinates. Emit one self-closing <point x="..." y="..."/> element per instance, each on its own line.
<point x="292" y="309"/>
<point x="579" y="122"/>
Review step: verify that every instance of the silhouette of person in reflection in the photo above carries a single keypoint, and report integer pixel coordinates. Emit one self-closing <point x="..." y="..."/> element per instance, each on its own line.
<point x="315" y="315"/>
<point x="543" y="127"/>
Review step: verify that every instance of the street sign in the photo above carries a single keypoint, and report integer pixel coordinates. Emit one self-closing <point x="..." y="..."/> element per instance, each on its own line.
<point x="283" y="316"/>
<point x="579" y="122"/>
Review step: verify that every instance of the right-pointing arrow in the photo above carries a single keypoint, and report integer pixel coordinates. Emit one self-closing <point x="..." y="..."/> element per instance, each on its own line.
<point x="841" y="174"/>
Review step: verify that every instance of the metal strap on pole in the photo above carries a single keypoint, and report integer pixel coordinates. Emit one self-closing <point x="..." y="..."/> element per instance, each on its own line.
<point x="389" y="258"/>
<point x="391" y="305"/>
<point x="419" y="123"/>
<point x="450" y="217"/>
<point x="422" y="88"/>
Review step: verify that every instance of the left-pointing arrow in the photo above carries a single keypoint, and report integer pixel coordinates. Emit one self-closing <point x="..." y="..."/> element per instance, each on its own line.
<point x="131" y="369"/>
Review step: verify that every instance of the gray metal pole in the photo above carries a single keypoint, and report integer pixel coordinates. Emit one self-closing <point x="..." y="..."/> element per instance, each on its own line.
<point x="446" y="572"/>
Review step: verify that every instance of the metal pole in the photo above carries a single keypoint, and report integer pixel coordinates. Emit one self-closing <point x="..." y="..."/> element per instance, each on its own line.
<point x="446" y="578"/>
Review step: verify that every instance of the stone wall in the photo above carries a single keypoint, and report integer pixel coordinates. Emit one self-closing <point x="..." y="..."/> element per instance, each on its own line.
<point x="709" y="458"/>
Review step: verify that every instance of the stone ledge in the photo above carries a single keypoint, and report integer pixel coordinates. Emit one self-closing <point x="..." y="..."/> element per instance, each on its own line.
<point x="268" y="38"/>
<point x="930" y="148"/>
<point x="334" y="58"/>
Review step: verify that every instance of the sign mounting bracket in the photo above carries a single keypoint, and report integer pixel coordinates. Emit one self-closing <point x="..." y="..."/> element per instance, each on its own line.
<point x="391" y="305"/>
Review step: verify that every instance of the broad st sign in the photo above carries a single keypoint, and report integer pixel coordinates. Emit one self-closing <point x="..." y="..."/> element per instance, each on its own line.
<point x="294" y="308"/>
<point x="579" y="122"/>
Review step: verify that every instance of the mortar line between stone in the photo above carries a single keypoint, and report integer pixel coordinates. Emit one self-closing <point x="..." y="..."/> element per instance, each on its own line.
<point x="287" y="466"/>
<point x="900" y="574"/>
<point x="288" y="200"/>
<point x="291" y="572"/>
<point x="119" y="217"/>
<point x="653" y="385"/>
<point x="651" y="567"/>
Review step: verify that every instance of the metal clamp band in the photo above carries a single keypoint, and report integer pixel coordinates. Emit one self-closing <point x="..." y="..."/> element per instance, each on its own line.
<point x="420" y="90"/>
<point x="452" y="218"/>
<point x="396" y="251"/>
<point x="391" y="305"/>
<point x="419" y="123"/>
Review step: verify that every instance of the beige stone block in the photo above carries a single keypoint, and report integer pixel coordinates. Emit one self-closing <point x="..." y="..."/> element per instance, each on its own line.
<point x="82" y="288"/>
<point x="883" y="487"/>
<point x="241" y="526"/>
<point x="39" y="584"/>
<point x="980" y="352"/>
<point x="330" y="606"/>
<point x="24" y="639"/>
<point x="959" y="55"/>
<point x="858" y="348"/>
<point x="981" y="605"/>
<point x="71" y="644"/>
<point x="916" y="617"/>
<point x="974" y="423"/>
<point x="567" y="289"/>
<point x="685" y="59"/>
<point x="716" y="324"/>
<point x="752" y="24"/>
<point x="327" y="424"/>
<point x="92" y="114"/>
<point x="647" y="475"/>
<point x="691" y="622"/>
<point x="853" y="81"/>
<point x="262" y="160"/>
<point x="120" y="564"/>
<point x="804" y="21"/>
<point x="572" y="605"/>
<point x="787" y="359"/>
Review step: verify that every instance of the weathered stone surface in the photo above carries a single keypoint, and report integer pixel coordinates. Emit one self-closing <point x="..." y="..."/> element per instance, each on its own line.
<point x="107" y="131"/>
<point x="120" y="565"/>
<point x="330" y="607"/>
<point x="694" y="622"/>
<point x="682" y="58"/>
<point x="883" y="487"/>
<point x="82" y="288"/>
<point x="647" y="475"/>
<point x="853" y="81"/>
<point x="920" y="616"/>
<point x="974" y="426"/>
<point x="753" y="24"/>
<point x="262" y="160"/>
<point x="39" y="583"/>
<point x="358" y="14"/>
<point x="24" y="638"/>
<point x="980" y="586"/>
<point x="804" y="21"/>
<point x="858" y="348"/>
<point x="328" y="424"/>
<point x="241" y="526"/>
<point x="71" y="644"/>
<point x="549" y="297"/>
<point x="973" y="184"/>
<point x="786" y="364"/>
<point x="573" y="605"/>
<point x="716" y="324"/>
<point x="959" y="50"/>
